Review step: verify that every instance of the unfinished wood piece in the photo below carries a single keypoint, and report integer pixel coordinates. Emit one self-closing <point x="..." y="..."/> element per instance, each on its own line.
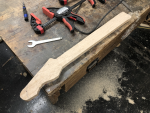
<point x="54" y="98"/>
<point x="53" y="67"/>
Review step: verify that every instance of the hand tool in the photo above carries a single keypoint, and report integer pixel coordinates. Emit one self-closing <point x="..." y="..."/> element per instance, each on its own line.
<point x="103" y="1"/>
<point x="25" y="12"/>
<point x="64" y="2"/>
<point x="59" y="14"/>
<point x="34" y="43"/>
<point x="53" y="67"/>
<point x="126" y="5"/>
<point x="93" y="3"/>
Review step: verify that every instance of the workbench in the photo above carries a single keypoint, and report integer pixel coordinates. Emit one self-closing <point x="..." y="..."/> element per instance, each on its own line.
<point x="16" y="33"/>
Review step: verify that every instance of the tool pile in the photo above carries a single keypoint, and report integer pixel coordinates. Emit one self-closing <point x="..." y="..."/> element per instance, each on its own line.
<point x="65" y="15"/>
<point x="60" y="14"/>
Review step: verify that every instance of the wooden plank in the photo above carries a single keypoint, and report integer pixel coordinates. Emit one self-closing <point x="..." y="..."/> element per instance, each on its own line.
<point x="53" y="67"/>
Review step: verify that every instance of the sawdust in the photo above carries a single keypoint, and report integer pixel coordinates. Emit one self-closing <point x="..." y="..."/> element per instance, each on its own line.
<point x="105" y="97"/>
<point x="102" y="82"/>
<point x="25" y="74"/>
<point x="141" y="111"/>
<point x="79" y="110"/>
<point x="143" y="98"/>
<point x="130" y="100"/>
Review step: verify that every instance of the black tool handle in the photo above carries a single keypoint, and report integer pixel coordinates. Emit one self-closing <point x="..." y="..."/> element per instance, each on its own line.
<point x="68" y="24"/>
<point x="25" y="13"/>
<point x="72" y="7"/>
<point x="103" y="1"/>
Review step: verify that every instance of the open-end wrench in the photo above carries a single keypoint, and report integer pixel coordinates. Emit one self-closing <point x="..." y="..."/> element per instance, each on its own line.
<point x="34" y="43"/>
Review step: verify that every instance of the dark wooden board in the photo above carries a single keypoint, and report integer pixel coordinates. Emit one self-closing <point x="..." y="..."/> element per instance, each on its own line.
<point x="16" y="32"/>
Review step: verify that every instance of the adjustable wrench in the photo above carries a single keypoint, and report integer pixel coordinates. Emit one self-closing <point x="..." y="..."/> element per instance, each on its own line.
<point x="34" y="43"/>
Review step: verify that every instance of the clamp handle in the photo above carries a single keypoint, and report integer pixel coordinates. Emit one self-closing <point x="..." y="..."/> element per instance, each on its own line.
<point x="68" y="24"/>
<point x="77" y="18"/>
<point x="93" y="3"/>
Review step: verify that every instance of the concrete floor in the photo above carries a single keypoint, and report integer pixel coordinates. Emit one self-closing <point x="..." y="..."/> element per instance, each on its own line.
<point x="119" y="84"/>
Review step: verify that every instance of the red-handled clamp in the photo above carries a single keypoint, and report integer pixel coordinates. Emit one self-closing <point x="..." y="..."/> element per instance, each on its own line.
<point x="36" y="24"/>
<point x="63" y="14"/>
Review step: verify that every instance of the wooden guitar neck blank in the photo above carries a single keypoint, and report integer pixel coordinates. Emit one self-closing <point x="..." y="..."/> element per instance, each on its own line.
<point x="53" y="67"/>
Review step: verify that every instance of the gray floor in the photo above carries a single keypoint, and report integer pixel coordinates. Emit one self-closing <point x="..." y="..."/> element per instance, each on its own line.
<point x="118" y="84"/>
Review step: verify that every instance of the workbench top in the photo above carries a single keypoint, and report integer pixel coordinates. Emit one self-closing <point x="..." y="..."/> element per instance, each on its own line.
<point x="16" y="32"/>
